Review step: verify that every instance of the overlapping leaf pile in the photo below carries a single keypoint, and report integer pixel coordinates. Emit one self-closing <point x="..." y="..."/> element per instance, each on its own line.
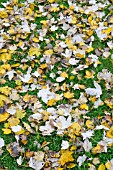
<point x="56" y="89"/>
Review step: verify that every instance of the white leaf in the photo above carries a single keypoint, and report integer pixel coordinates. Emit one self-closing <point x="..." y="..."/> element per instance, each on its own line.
<point x="10" y="74"/>
<point x="27" y="76"/>
<point x="54" y="28"/>
<point x="62" y="123"/>
<point x="25" y="27"/>
<point x="1" y="142"/>
<point x="87" y="134"/>
<point x="110" y="44"/>
<point x="101" y="127"/>
<point x="19" y="160"/>
<point x="47" y="129"/>
<point x="67" y="53"/>
<point x="65" y="144"/>
<point x="94" y="91"/>
<point x="87" y="145"/>
<point x="46" y="95"/>
<point x="16" y="128"/>
<point x="81" y="159"/>
<point x="60" y="79"/>
<point x="72" y="61"/>
<point x="11" y="110"/>
<point x="37" y="165"/>
<point x="36" y="74"/>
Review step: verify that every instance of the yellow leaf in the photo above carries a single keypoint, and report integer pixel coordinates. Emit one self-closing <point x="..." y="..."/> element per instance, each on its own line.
<point x="64" y="74"/>
<point x="93" y="99"/>
<point x="54" y="9"/>
<point x="34" y="51"/>
<point x="108" y="165"/>
<point x="108" y="30"/>
<point x="1" y="103"/>
<point x="4" y="116"/>
<point x="62" y="6"/>
<point x="44" y="22"/>
<point x="71" y="165"/>
<point x="20" y="114"/>
<point x="80" y="55"/>
<point x="26" y="98"/>
<point x="15" y="1"/>
<point x="74" y="20"/>
<point x="60" y="169"/>
<point x="76" y="128"/>
<point x="84" y="107"/>
<point x="15" y="65"/>
<point x="2" y="71"/>
<point x="20" y="44"/>
<point x="90" y="49"/>
<point x="69" y="43"/>
<point x="51" y="102"/>
<point x="66" y="157"/>
<point x="3" y="14"/>
<point x="18" y="82"/>
<point x="5" y="56"/>
<point x="109" y="133"/>
<point x="5" y="90"/>
<point x="6" y="67"/>
<point x="90" y="19"/>
<point x="101" y="167"/>
<point x="3" y="50"/>
<point x="6" y="131"/>
<point x="48" y="52"/>
<point x="45" y="115"/>
<point x="4" y="98"/>
<point x="89" y="124"/>
<point x="72" y="77"/>
<point x="89" y="74"/>
<point x="6" y="125"/>
<point x="68" y="95"/>
<point x="43" y="66"/>
<point x="98" y="149"/>
<point x="51" y="1"/>
<point x="35" y="39"/>
<point x="13" y="121"/>
<point x="73" y="148"/>
<point x="11" y="31"/>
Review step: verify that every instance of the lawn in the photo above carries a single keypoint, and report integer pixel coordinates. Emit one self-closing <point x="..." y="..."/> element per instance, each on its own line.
<point x="56" y="85"/>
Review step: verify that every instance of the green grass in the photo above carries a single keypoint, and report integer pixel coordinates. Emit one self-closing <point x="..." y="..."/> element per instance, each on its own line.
<point x="55" y="140"/>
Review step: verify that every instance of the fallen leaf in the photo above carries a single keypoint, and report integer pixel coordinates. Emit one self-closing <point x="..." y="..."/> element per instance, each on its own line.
<point x="81" y="159"/>
<point x="6" y="131"/>
<point x="1" y="142"/>
<point x="66" y="157"/>
<point x="65" y="144"/>
<point x="19" y="160"/>
<point x="101" y="167"/>
<point x="4" y="116"/>
<point x="68" y="95"/>
<point x="13" y="121"/>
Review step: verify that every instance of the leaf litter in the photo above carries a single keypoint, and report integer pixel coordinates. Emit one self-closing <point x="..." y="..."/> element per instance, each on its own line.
<point x="56" y="81"/>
